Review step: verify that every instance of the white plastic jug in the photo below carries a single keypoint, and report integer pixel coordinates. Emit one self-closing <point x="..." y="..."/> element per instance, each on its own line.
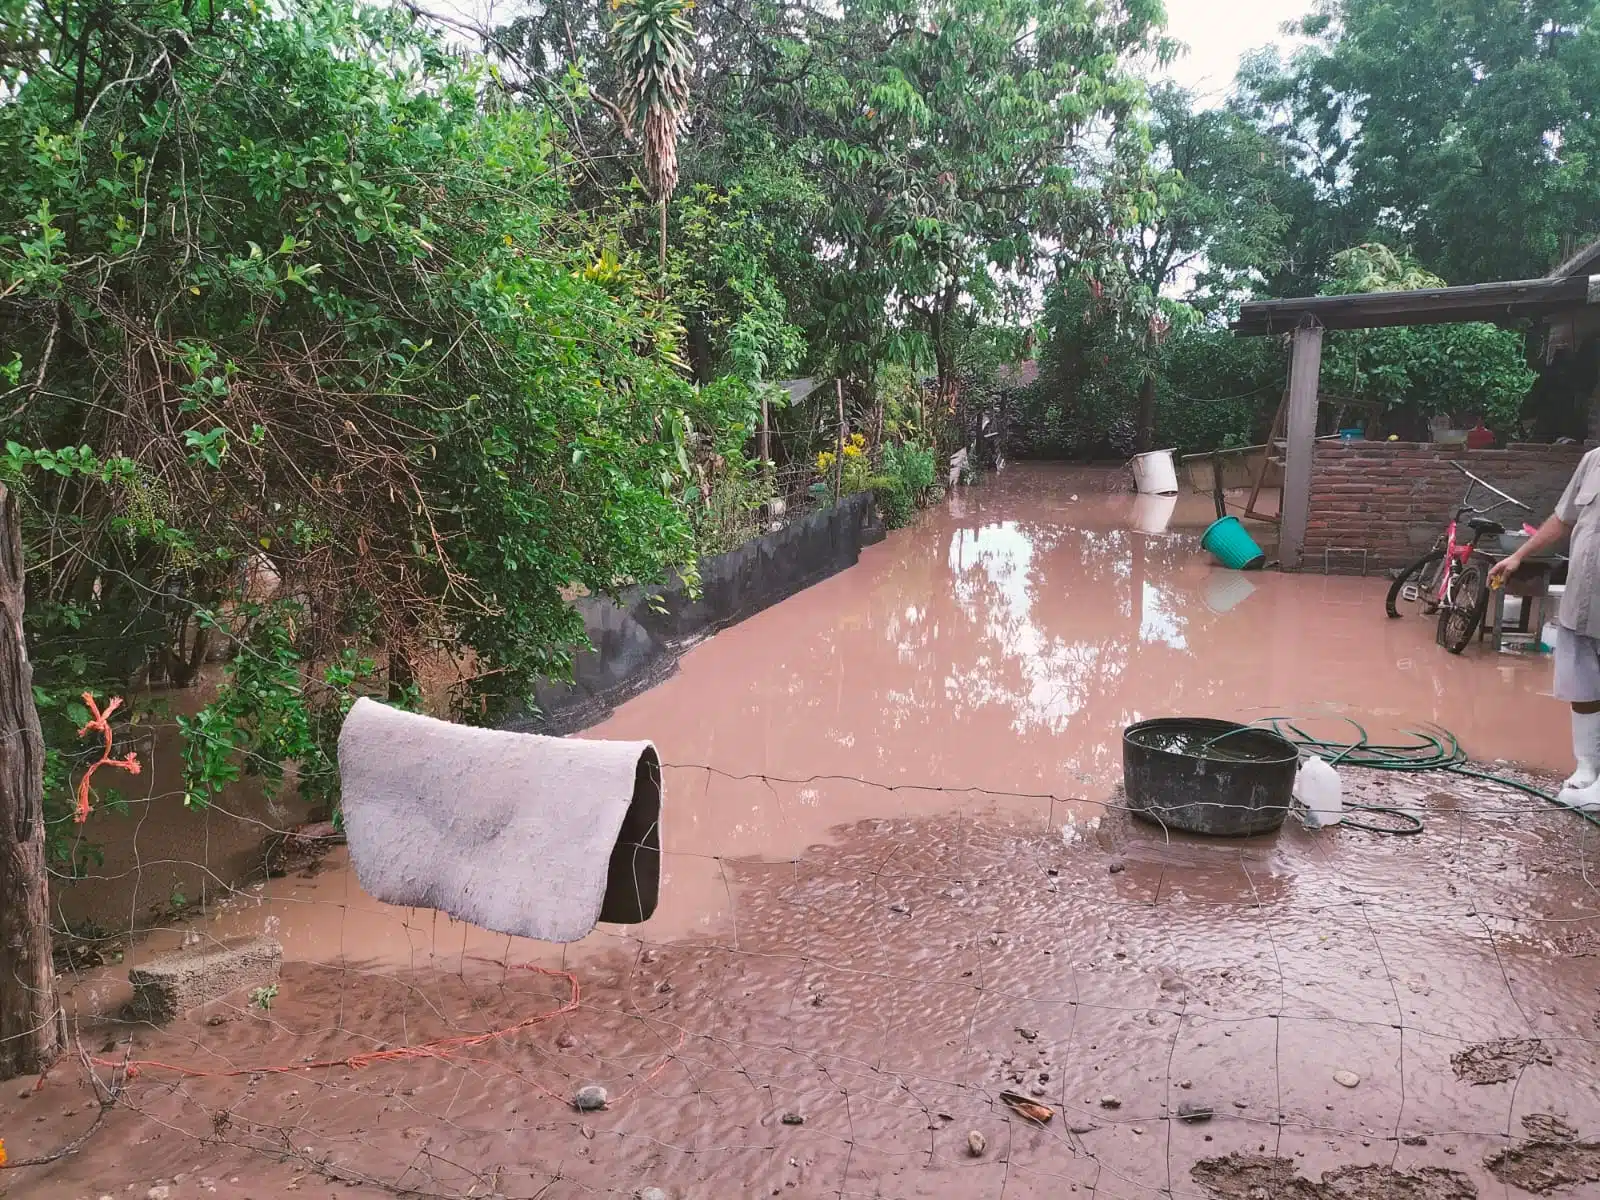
<point x="1316" y="785"/>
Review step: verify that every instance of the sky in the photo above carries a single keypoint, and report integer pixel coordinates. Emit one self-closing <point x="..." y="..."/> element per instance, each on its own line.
<point x="1219" y="32"/>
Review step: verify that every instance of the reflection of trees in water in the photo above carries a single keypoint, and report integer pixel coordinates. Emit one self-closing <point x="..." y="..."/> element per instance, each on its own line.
<point x="1067" y="612"/>
<point x="981" y="635"/>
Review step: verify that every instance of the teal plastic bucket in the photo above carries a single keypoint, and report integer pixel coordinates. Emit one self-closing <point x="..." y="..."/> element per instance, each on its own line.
<point x="1232" y="544"/>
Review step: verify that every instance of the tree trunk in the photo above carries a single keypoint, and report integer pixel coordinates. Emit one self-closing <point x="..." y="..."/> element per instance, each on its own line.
<point x="663" y="203"/>
<point x="30" y="1022"/>
<point x="1146" y="425"/>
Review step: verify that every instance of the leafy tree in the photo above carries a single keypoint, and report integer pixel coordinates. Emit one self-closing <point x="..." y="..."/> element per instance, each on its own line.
<point x="1415" y="373"/>
<point x="308" y="356"/>
<point x="1218" y="228"/>
<point x="1466" y="132"/>
<point x="959" y="140"/>
<point x="653" y="46"/>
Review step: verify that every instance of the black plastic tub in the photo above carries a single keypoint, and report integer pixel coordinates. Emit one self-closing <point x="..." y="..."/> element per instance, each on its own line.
<point x="1202" y="775"/>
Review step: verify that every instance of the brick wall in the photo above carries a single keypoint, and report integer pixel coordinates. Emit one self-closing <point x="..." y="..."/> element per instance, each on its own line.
<point x="1393" y="498"/>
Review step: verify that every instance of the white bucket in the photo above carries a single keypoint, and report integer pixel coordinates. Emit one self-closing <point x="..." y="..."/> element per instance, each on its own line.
<point x="1154" y="473"/>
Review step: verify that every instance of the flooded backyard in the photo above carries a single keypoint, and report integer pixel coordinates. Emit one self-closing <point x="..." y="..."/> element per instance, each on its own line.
<point x="900" y="883"/>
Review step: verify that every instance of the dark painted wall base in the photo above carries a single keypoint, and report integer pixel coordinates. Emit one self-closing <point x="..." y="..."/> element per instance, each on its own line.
<point x="637" y="640"/>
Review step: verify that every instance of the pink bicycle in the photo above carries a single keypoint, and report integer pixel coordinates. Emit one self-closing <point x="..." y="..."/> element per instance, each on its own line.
<point x="1452" y="579"/>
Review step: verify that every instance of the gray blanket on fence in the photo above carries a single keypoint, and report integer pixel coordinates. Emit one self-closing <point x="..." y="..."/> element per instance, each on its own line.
<point x="534" y="836"/>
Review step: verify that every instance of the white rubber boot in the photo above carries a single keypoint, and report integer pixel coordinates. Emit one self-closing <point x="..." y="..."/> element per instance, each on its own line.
<point x="1586" y="749"/>
<point x="1585" y="798"/>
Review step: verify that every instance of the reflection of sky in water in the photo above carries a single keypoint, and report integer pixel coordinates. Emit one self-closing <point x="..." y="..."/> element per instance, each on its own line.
<point x="1046" y="676"/>
<point x="1159" y="622"/>
<point x="993" y="581"/>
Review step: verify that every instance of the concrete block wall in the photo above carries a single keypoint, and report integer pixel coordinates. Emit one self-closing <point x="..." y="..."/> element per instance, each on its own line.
<point x="1393" y="498"/>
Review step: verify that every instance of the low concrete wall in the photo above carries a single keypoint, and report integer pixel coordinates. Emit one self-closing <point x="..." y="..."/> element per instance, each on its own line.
<point x="636" y="643"/>
<point x="1393" y="498"/>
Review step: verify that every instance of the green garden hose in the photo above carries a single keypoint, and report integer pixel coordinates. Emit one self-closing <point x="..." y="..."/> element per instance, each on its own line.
<point x="1439" y="750"/>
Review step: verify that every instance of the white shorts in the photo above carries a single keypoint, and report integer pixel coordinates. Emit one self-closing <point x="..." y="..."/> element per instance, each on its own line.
<point x="1577" y="668"/>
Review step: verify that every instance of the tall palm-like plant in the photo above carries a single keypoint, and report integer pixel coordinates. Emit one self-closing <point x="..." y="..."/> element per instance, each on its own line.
<point x="654" y="46"/>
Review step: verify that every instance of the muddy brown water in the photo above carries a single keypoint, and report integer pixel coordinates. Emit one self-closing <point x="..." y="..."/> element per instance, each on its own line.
<point x="898" y="884"/>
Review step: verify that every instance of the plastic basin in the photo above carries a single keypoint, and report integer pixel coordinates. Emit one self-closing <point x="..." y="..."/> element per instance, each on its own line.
<point x="1202" y="775"/>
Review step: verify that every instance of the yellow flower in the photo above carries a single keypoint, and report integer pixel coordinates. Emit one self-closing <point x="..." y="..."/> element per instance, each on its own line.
<point x="858" y="440"/>
<point x="825" y="460"/>
<point x="2" y="1152"/>
<point x="851" y="450"/>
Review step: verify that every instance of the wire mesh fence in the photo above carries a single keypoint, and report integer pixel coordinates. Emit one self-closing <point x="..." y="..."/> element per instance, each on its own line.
<point x="1324" y="1015"/>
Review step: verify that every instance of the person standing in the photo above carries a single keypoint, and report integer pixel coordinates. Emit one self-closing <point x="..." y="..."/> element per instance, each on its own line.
<point x="1577" y="650"/>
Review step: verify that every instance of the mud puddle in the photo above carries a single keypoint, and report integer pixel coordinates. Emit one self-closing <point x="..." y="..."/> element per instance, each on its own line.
<point x="1247" y="1177"/>
<point x="1500" y="1061"/>
<point x="985" y="660"/>
<point x="1553" y="1159"/>
<point x="896" y="885"/>
<point x="887" y="991"/>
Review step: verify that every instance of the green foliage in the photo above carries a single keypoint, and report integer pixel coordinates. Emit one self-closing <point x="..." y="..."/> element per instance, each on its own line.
<point x="1423" y="371"/>
<point x="1222" y="204"/>
<point x="733" y="505"/>
<point x="1468" y="133"/>
<point x="309" y="353"/>
<point x="1215" y="391"/>
<point x="905" y="483"/>
<point x="1212" y="389"/>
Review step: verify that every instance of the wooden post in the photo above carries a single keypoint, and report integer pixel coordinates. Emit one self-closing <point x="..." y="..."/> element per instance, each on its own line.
<point x="1217" y="495"/>
<point x="30" y="1020"/>
<point x="838" y="452"/>
<point x="1300" y="425"/>
<point x="766" y="431"/>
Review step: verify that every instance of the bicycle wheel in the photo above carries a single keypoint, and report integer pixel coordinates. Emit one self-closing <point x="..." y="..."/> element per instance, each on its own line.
<point x="1413" y="590"/>
<point x="1466" y="605"/>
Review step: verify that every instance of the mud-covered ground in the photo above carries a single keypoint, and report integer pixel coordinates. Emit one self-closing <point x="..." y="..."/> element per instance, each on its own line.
<point x="848" y="973"/>
<point x="1362" y="1016"/>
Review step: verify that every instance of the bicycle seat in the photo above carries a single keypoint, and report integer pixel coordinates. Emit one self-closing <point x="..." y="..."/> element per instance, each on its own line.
<point x="1483" y="527"/>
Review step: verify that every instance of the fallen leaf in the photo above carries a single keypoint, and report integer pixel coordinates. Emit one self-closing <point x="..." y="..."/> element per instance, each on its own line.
<point x="1032" y="1110"/>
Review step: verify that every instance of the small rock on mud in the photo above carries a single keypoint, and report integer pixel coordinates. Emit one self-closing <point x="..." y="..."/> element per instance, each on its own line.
<point x="651" y="1193"/>
<point x="1194" y="1113"/>
<point x="976" y="1144"/>
<point x="1110" y="1102"/>
<point x="589" y="1098"/>
<point x="793" y="1118"/>
<point x="1499" y="1061"/>
<point x="565" y="1040"/>
<point x="1347" y="1079"/>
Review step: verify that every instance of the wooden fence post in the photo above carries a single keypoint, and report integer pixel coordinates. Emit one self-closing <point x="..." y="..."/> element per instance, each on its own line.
<point x="838" y="457"/>
<point x="30" y="1017"/>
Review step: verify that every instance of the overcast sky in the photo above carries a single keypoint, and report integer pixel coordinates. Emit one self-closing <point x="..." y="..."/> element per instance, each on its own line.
<point x="1218" y="32"/>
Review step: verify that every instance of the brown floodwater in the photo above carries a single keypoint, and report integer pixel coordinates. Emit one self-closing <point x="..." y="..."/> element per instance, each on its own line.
<point x="898" y="882"/>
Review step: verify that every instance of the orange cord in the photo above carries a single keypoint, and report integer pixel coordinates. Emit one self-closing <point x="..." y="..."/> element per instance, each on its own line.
<point x="101" y="721"/>
<point x="443" y="1048"/>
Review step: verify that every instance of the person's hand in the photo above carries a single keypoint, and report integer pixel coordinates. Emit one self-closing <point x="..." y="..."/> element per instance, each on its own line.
<point x="1504" y="569"/>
